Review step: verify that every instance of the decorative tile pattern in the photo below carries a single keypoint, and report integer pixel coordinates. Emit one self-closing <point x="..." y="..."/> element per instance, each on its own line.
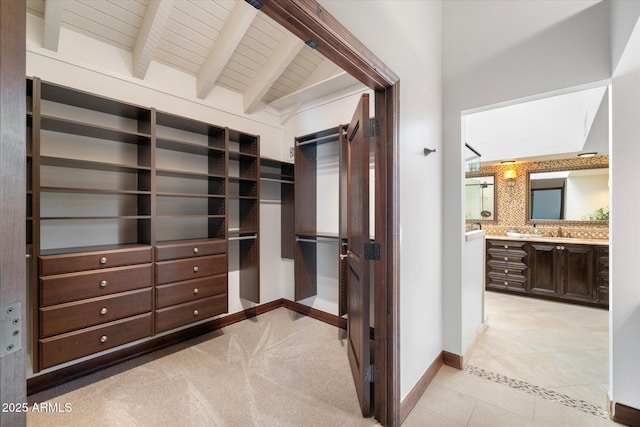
<point x="538" y="391"/>
<point x="511" y="203"/>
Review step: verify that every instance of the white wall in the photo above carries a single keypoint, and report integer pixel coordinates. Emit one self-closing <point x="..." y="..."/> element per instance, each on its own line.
<point x="411" y="47"/>
<point x="472" y="288"/>
<point x="495" y="52"/>
<point x="624" y="232"/>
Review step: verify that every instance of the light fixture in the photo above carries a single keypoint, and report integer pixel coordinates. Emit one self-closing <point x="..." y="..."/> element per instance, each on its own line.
<point x="589" y="154"/>
<point x="510" y="176"/>
<point x="508" y="162"/>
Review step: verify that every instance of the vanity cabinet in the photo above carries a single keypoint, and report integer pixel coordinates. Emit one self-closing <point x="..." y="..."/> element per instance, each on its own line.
<point x="506" y="266"/>
<point x="602" y="271"/>
<point x="571" y="272"/>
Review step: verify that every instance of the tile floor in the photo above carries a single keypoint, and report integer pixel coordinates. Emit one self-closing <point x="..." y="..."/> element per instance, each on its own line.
<point x="539" y="363"/>
<point x="283" y="369"/>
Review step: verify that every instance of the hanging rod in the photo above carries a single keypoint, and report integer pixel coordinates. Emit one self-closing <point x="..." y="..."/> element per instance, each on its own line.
<point x="322" y="138"/>
<point x="283" y="181"/>
<point x="302" y="239"/>
<point x="243" y="237"/>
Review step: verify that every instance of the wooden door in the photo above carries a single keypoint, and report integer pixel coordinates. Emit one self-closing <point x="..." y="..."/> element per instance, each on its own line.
<point x="543" y="269"/>
<point x="577" y="275"/>
<point x="357" y="237"/>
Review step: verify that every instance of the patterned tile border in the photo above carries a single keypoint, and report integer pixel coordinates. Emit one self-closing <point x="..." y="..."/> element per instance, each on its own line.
<point x="538" y="391"/>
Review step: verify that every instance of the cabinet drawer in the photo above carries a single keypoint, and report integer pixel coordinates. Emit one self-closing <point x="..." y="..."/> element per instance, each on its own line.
<point x="186" y="269"/>
<point x="183" y="314"/>
<point x="68" y="287"/>
<point x="190" y="290"/>
<point x="506" y="281"/>
<point x="72" y="345"/>
<point x="192" y="249"/>
<point x="81" y="261"/>
<point x="506" y="267"/>
<point x="81" y="314"/>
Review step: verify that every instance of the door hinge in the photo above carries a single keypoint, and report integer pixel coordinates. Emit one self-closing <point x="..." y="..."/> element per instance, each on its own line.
<point x="372" y="128"/>
<point x="372" y="251"/>
<point x="371" y="374"/>
<point x="10" y="328"/>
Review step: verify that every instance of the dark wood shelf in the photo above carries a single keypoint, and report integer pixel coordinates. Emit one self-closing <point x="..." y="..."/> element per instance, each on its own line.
<point x="242" y="232"/>
<point x="92" y="191"/>
<point x="238" y="155"/>
<point x="239" y="179"/>
<point x="69" y="250"/>
<point x="187" y="147"/>
<point x="164" y="243"/>
<point x="61" y="125"/>
<point x="192" y="195"/>
<point x="187" y="174"/>
<point x="191" y="216"/>
<point x="89" y="164"/>
<point x="78" y="98"/>
<point x="93" y="218"/>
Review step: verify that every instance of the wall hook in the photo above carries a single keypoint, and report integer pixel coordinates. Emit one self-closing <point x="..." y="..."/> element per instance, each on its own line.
<point x="428" y="151"/>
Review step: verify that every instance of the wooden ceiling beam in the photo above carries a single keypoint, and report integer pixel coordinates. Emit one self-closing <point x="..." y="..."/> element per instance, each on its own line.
<point x="149" y="35"/>
<point x="284" y="54"/>
<point x="225" y="45"/>
<point x="52" y="23"/>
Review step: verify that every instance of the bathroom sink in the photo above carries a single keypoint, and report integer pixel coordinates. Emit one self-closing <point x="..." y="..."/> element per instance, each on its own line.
<point x="514" y="234"/>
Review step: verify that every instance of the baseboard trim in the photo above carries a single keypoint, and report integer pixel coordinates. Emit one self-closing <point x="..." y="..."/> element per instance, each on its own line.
<point x="409" y="402"/>
<point x="626" y="415"/>
<point x="69" y="373"/>
<point x="314" y="313"/>
<point x="452" y="359"/>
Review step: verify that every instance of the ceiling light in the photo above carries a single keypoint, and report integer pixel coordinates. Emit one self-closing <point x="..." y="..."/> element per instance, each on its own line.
<point x="508" y="162"/>
<point x="590" y="154"/>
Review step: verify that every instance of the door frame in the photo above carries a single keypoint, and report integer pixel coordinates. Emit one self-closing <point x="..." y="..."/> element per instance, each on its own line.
<point x="308" y="20"/>
<point x="13" y="382"/>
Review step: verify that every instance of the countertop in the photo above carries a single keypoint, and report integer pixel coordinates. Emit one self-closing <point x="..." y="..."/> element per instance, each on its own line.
<point x="574" y="240"/>
<point x="474" y="234"/>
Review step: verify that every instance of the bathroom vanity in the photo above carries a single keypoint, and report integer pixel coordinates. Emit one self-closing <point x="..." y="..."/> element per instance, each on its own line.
<point x="563" y="269"/>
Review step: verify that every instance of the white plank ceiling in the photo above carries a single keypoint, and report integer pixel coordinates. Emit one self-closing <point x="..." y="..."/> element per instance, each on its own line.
<point x="226" y="43"/>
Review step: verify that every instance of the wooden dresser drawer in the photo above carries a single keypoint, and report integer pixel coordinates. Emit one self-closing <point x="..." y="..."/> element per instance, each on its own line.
<point x="183" y="314"/>
<point x="81" y="261"/>
<point x="191" y="249"/>
<point x="186" y="269"/>
<point x="72" y="345"/>
<point x="190" y="290"/>
<point x="68" y="287"/>
<point x="81" y="314"/>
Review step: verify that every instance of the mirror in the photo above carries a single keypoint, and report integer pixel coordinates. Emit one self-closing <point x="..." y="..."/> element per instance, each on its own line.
<point x="568" y="195"/>
<point x="480" y="200"/>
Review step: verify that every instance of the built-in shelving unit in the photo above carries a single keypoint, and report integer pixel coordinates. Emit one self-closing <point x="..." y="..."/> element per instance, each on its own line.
<point x="283" y="173"/>
<point x="307" y="236"/>
<point x="128" y="216"/>
<point x="244" y="200"/>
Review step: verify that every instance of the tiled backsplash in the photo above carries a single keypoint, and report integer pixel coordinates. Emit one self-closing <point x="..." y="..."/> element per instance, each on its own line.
<point x="512" y="206"/>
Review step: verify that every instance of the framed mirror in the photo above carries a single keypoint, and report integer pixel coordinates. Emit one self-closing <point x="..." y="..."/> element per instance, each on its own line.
<point x="572" y="195"/>
<point x="480" y="197"/>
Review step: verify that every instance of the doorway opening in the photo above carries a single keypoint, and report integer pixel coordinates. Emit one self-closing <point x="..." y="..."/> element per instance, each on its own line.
<point x="545" y="304"/>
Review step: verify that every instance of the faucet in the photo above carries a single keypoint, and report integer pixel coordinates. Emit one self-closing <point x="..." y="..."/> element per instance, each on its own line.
<point x="559" y="232"/>
<point x="479" y="225"/>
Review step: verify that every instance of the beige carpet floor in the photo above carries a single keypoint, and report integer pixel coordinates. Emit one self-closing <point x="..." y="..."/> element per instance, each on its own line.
<point x="279" y="369"/>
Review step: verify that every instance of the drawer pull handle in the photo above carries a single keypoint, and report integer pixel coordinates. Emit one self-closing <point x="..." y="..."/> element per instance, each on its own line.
<point x="506" y="271"/>
<point x="103" y="310"/>
<point x="195" y="312"/>
<point x="506" y="246"/>
<point x="103" y="338"/>
<point x="195" y="291"/>
<point x="103" y="260"/>
<point x="103" y="284"/>
<point x="195" y="250"/>
<point x="506" y="258"/>
<point x="195" y="269"/>
<point x="506" y="283"/>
